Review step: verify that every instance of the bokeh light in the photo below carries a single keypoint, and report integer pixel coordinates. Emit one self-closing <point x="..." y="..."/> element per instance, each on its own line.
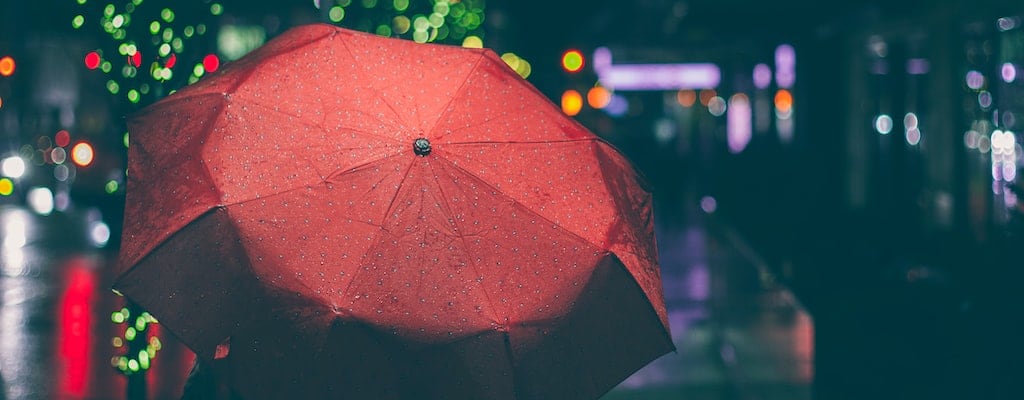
<point x="211" y="62"/>
<point x="617" y="106"/>
<point x="739" y="123"/>
<point x="785" y="66"/>
<point x="708" y="204"/>
<point x="762" y="76"/>
<point x="686" y="97"/>
<point x="62" y="138"/>
<point x="572" y="102"/>
<point x="473" y="42"/>
<point x="883" y="124"/>
<point x="7" y="66"/>
<point x="975" y="80"/>
<point x="92" y="60"/>
<point x="598" y="97"/>
<point x="40" y="200"/>
<point x="717" y="106"/>
<point x="6" y="186"/>
<point x="572" y="60"/>
<point x="13" y="167"/>
<point x="783" y="101"/>
<point x="82" y="154"/>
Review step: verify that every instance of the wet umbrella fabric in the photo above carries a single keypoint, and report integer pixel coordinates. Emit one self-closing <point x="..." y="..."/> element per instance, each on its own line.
<point x="341" y="215"/>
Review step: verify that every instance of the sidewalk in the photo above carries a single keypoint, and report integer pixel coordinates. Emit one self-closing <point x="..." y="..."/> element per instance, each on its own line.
<point x="740" y="335"/>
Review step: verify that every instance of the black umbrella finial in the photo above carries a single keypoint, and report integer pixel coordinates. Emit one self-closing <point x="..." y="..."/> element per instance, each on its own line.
<point x="421" y="147"/>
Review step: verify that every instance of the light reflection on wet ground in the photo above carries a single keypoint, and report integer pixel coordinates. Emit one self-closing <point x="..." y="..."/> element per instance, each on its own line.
<point x="55" y="306"/>
<point x="739" y="336"/>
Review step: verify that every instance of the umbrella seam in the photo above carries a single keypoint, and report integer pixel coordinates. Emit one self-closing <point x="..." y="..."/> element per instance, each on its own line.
<point x="398" y="116"/>
<point x="514" y="201"/>
<point x="382" y="224"/>
<point x="394" y="198"/>
<point x="447" y="107"/>
<point x="315" y="125"/>
<point x="454" y="225"/>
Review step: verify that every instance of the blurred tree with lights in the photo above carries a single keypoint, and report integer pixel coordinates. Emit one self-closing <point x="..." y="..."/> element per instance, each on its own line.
<point x="457" y="22"/>
<point x="442" y="21"/>
<point x="148" y="49"/>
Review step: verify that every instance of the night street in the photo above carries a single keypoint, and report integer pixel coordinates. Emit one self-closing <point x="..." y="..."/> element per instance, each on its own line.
<point x="512" y="199"/>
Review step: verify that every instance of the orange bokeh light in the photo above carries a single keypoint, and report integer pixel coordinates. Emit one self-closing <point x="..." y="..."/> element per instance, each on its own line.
<point x="706" y="95"/>
<point x="598" y="97"/>
<point x="7" y="66"/>
<point x="572" y="102"/>
<point x="783" y="101"/>
<point x="686" y="97"/>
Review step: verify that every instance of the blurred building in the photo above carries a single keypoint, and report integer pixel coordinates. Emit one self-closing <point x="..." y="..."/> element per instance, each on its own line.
<point x="869" y="150"/>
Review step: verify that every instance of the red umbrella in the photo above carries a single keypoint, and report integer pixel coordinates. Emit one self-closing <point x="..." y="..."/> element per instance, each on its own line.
<point x="342" y="215"/>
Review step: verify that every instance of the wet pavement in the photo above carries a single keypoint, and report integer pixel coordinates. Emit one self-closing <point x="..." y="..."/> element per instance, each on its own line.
<point x="739" y="333"/>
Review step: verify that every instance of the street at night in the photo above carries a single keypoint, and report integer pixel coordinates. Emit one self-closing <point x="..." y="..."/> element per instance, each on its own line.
<point x="808" y="201"/>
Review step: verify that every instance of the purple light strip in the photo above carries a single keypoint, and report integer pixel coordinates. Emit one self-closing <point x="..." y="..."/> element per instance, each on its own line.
<point x="654" y="76"/>
<point x="660" y="76"/>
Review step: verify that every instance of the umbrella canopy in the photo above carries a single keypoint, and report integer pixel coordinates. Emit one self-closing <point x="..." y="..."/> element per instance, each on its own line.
<point x="342" y="215"/>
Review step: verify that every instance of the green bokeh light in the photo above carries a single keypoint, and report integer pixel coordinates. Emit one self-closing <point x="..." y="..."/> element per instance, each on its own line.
<point x="336" y="14"/>
<point x="167" y="15"/>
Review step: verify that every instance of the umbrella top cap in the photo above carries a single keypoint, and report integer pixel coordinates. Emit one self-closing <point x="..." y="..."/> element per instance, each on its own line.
<point x="421" y="147"/>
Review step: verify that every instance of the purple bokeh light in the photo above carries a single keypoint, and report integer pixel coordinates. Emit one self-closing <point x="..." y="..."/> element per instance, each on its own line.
<point x="785" y="66"/>
<point x="762" y="76"/>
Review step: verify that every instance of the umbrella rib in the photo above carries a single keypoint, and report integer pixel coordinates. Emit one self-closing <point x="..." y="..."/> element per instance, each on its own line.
<point x="454" y="223"/>
<point x="458" y="92"/>
<point x="394" y="198"/>
<point x="383" y="99"/>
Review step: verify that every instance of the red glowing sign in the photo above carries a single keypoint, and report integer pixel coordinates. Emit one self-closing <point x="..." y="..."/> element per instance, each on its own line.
<point x="74" y="331"/>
